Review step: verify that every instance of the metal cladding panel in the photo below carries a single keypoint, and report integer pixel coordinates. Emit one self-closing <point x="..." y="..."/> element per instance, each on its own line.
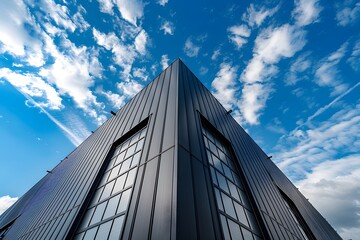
<point x="172" y="196"/>
<point x="273" y="216"/>
<point x="50" y="210"/>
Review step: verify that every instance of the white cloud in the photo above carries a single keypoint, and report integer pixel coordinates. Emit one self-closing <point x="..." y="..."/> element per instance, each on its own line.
<point x="298" y="69"/>
<point x="106" y="6"/>
<point x="191" y="49"/>
<point x="73" y="73"/>
<point x="271" y="45"/>
<point x="123" y="55"/>
<point x="306" y="147"/>
<point x="140" y="73"/>
<point x="215" y="55"/>
<point x="168" y="27"/>
<point x="140" y="42"/>
<point x="306" y="11"/>
<point x="59" y="14"/>
<point x="238" y="34"/>
<point x="131" y="10"/>
<point x="255" y="16"/>
<point x="354" y="59"/>
<point x="327" y="74"/>
<point x="348" y="13"/>
<point x="164" y="61"/>
<point x="79" y="20"/>
<point x="332" y="187"/>
<point x="129" y="88"/>
<point x="6" y="202"/>
<point x="224" y="85"/>
<point x="253" y="100"/>
<point x="35" y="87"/>
<point x="115" y="99"/>
<point x="18" y="32"/>
<point x="326" y="107"/>
<point x="163" y="2"/>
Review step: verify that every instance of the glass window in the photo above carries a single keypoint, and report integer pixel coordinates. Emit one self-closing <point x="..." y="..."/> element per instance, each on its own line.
<point x="103" y="231"/>
<point x="237" y="218"/>
<point x="116" y="228"/>
<point x="110" y="201"/>
<point x="234" y="230"/>
<point x="90" y="234"/>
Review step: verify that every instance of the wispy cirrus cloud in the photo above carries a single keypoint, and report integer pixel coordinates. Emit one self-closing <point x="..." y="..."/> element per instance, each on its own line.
<point x="256" y="15"/>
<point x="354" y="58"/>
<point x="348" y="12"/>
<point x="34" y="86"/>
<point x="271" y="45"/>
<point x="306" y="11"/>
<point x="322" y="159"/>
<point x="298" y="69"/>
<point x="327" y="73"/>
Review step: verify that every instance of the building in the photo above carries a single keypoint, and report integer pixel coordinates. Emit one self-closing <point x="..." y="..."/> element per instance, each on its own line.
<point x="171" y="164"/>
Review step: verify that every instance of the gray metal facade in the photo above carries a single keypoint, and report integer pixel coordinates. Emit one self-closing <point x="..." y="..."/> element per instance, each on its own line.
<point x="172" y="195"/>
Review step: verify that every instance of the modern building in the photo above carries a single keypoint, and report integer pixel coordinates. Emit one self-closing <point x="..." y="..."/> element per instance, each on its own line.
<point x="171" y="164"/>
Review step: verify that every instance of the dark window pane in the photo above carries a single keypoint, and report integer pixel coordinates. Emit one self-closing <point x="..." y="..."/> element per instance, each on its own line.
<point x="228" y="205"/>
<point x="222" y="156"/>
<point x="218" y="199"/>
<point x="90" y="234"/>
<point x="213" y="176"/>
<point x="213" y="148"/>
<point x="103" y="231"/>
<point x="244" y="198"/>
<point x="233" y="191"/>
<point x="241" y="214"/>
<point x="217" y="163"/>
<point x="125" y="196"/>
<point x="227" y="172"/>
<point x="222" y="182"/>
<point x="225" y="227"/>
<point x="99" y="211"/>
<point x="111" y="207"/>
<point x="247" y="234"/>
<point x="252" y="221"/>
<point x="210" y="157"/>
<point x="234" y="230"/>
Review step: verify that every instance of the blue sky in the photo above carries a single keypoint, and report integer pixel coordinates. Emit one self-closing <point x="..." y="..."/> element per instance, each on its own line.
<point x="289" y="70"/>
